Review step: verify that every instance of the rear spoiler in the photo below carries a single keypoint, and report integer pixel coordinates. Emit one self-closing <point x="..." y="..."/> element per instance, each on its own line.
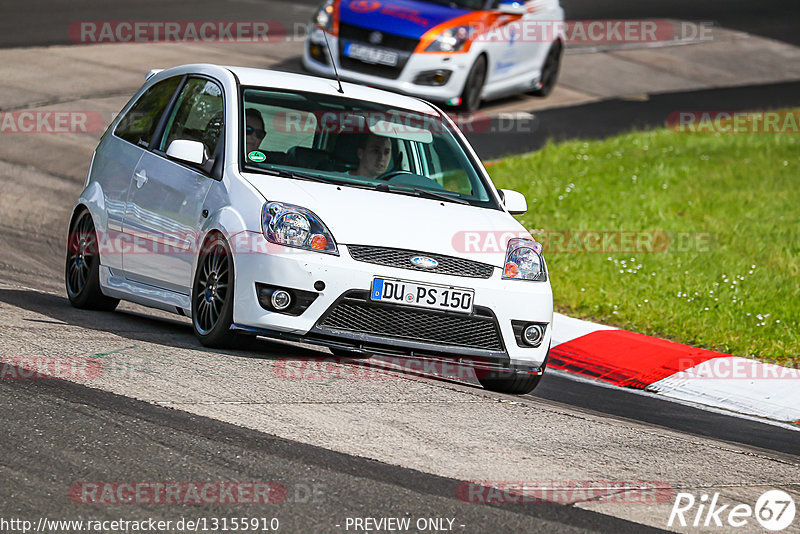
<point x="152" y="73"/>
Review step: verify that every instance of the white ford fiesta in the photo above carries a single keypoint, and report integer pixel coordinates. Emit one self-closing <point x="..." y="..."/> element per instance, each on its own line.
<point x="288" y="206"/>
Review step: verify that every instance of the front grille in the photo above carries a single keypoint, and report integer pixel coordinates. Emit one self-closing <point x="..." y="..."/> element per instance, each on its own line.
<point x="404" y="46"/>
<point x="397" y="42"/>
<point x="357" y="314"/>
<point x="401" y="259"/>
<point x="383" y="71"/>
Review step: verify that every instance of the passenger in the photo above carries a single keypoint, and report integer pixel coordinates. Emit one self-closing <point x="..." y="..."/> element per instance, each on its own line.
<point x="254" y="129"/>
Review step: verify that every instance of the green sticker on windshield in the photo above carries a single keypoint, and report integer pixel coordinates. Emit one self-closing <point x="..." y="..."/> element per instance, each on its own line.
<point x="256" y="156"/>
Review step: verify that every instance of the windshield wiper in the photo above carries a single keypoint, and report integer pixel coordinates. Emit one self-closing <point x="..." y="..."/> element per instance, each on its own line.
<point x="294" y="174"/>
<point x="417" y="192"/>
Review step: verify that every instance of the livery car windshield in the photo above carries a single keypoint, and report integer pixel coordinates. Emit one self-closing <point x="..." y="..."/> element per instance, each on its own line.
<point x="359" y="144"/>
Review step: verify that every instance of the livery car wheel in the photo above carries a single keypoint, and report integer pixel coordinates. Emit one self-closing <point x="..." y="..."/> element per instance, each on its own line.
<point x="552" y="64"/>
<point x="473" y="87"/>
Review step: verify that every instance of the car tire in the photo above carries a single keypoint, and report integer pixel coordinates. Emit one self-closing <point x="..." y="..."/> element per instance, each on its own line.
<point x="550" y="69"/>
<point x="212" y="294"/>
<point x="510" y="381"/>
<point x="473" y="87"/>
<point x="82" y="267"/>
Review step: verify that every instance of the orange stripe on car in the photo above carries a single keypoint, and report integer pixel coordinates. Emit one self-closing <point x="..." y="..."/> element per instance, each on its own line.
<point x="483" y="21"/>
<point x="335" y="26"/>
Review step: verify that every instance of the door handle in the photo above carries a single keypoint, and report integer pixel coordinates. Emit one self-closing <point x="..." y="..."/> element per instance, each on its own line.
<point x="141" y="178"/>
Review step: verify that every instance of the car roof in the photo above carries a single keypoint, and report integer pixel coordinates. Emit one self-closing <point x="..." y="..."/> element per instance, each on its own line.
<point x="314" y="84"/>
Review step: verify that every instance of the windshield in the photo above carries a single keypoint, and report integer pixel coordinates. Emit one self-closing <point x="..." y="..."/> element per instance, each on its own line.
<point x="358" y="144"/>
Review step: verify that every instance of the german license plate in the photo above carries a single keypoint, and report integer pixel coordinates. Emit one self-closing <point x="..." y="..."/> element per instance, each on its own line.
<point x="370" y="55"/>
<point x="432" y="296"/>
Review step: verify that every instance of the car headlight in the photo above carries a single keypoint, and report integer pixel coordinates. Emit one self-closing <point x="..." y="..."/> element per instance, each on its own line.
<point x="524" y="261"/>
<point x="451" y="40"/>
<point x="295" y="226"/>
<point x="323" y="18"/>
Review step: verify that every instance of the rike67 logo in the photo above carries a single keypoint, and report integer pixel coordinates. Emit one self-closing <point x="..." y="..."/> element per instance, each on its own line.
<point x="774" y="510"/>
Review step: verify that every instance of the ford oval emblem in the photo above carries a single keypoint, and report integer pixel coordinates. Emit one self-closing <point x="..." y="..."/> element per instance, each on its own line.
<point x="424" y="262"/>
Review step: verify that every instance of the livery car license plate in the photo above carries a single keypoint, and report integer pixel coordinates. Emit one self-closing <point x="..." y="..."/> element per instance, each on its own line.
<point x="437" y="297"/>
<point x="370" y="55"/>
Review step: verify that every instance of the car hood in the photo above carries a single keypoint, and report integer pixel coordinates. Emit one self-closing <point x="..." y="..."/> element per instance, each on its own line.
<point x="363" y="217"/>
<point x="409" y="18"/>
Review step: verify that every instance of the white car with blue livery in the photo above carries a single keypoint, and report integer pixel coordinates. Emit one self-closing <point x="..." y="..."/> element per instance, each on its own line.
<point x="455" y="52"/>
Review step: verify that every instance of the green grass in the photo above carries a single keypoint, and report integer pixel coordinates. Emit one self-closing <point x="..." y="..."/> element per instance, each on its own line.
<point x="736" y="290"/>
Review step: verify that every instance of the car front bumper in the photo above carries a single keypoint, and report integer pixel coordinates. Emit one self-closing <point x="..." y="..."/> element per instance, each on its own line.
<point x="459" y="65"/>
<point x="348" y="282"/>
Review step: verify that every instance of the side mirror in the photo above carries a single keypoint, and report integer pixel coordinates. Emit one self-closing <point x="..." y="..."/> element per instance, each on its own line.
<point x="512" y="7"/>
<point x="188" y="151"/>
<point x="514" y="201"/>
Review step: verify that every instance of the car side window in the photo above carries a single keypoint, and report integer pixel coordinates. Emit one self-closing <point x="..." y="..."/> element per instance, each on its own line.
<point x="140" y="122"/>
<point x="445" y="169"/>
<point x="197" y="116"/>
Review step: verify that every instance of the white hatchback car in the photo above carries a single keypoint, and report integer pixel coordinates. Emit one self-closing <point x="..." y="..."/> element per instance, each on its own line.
<point x="273" y="204"/>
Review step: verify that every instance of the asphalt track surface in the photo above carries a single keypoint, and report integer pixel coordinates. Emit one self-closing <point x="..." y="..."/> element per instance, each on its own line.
<point x="614" y="116"/>
<point x="776" y="19"/>
<point x="75" y="433"/>
<point x="557" y="388"/>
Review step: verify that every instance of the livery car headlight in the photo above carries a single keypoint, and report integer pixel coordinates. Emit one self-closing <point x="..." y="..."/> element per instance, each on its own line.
<point x="295" y="226"/>
<point x="323" y="18"/>
<point x="524" y="261"/>
<point x="451" y="40"/>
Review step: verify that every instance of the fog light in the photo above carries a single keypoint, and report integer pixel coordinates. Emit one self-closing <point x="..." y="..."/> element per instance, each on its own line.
<point x="281" y="299"/>
<point x="533" y="335"/>
<point x="318" y="53"/>
<point x="433" y="77"/>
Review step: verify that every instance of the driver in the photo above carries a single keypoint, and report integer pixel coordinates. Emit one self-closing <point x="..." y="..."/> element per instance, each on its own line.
<point x="374" y="155"/>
